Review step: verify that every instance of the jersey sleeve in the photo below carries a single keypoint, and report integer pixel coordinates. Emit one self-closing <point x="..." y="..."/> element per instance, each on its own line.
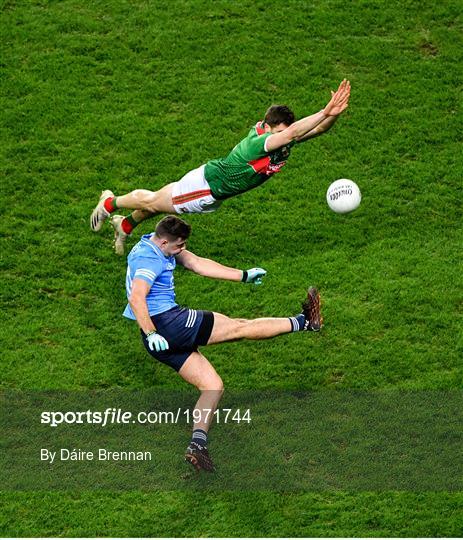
<point x="147" y="269"/>
<point x="254" y="146"/>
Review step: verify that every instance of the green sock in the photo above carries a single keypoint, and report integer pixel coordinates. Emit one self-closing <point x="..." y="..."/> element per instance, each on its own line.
<point x="128" y="224"/>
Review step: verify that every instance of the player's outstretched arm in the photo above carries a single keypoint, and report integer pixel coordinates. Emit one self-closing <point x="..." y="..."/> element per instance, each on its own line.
<point x="212" y="269"/>
<point x="335" y="107"/>
<point x="299" y="130"/>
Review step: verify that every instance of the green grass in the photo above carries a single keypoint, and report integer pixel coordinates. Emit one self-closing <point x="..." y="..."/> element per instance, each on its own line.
<point x="255" y="514"/>
<point x="116" y="94"/>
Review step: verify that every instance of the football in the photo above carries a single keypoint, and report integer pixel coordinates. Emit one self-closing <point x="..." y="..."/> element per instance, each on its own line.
<point x="343" y="196"/>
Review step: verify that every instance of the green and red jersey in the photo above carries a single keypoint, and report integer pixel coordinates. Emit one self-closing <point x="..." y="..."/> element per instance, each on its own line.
<point x="247" y="166"/>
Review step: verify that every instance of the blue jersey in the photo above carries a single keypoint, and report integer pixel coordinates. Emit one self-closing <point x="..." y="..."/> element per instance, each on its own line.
<point x="146" y="261"/>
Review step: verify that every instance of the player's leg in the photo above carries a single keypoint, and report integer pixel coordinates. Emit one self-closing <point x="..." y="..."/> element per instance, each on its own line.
<point x="123" y="227"/>
<point x="141" y="215"/>
<point x="153" y="202"/>
<point x="191" y="194"/>
<point x="145" y="203"/>
<point x="228" y="329"/>
<point x="198" y="371"/>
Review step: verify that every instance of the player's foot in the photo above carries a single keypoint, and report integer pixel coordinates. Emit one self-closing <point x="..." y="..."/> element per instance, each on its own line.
<point x="100" y="214"/>
<point x="199" y="457"/>
<point x="311" y="310"/>
<point x="119" y="235"/>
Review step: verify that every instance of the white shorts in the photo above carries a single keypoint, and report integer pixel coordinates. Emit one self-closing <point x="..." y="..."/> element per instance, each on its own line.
<point x="192" y="194"/>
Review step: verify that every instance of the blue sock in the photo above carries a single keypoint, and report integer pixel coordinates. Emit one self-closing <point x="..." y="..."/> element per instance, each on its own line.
<point x="199" y="437"/>
<point x="297" y="322"/>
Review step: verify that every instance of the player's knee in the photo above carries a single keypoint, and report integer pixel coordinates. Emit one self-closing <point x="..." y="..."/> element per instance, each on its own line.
<point x="217" y="385"/>
<point x="239" y="328"/>
<point x="213" y="384"/>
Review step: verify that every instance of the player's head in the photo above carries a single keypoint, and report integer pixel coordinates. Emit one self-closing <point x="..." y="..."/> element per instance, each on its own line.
<point x="278" y="118"/>
<point x="172" y="234"/>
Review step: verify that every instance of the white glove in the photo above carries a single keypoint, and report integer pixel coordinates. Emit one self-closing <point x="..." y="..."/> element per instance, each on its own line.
<point x="254" y="275"/>
<point x="156" y="341"/>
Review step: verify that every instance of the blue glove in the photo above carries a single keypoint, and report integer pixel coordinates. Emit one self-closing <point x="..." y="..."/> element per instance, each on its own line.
<point x="254" y="275"/>
<point x="156" y="341"/>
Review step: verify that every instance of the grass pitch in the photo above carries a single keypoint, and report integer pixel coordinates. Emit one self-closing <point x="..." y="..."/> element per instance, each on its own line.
<point x="119" y="95"/>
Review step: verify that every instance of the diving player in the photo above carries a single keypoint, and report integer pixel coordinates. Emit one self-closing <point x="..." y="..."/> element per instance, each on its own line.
<point x="251" y="162"/>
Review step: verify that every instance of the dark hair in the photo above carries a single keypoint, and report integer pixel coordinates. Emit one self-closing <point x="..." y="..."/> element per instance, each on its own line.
<point x="279" y="114"/>
<point x="173" y="227"/>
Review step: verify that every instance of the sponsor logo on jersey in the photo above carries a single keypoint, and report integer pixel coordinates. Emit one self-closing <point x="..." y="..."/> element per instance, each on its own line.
<point x="265" y="166"/>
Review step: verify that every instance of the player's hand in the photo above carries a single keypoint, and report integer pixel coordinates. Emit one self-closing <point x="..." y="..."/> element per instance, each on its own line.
<point x="156" y="341"/>
<point x="254" y="275"/>
<point x="339" y="100"/>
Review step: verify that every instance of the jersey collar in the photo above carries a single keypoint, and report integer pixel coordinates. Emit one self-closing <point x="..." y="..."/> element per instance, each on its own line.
<point x="146" y="239"/>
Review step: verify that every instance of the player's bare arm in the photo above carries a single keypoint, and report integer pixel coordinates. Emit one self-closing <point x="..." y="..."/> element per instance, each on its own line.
<point x="137" y="301"/>
<point x="212" y="269"/>
<point x="335" y="112"/>
<point x="320" y="121"/>
<point x="207" y="267"/>
<point x="294" y="131"/>
<point x="322" y="127"/>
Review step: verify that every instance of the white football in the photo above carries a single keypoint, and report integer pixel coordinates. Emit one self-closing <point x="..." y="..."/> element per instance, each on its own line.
<point x="343" y="196"/>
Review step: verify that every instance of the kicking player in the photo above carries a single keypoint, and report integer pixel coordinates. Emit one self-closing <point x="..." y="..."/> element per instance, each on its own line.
<point x="253" y="161"/>
<point x="172" y="334"/>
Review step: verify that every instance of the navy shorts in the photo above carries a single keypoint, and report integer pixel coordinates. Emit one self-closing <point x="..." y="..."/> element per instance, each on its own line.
<point x="185" y="329"/>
